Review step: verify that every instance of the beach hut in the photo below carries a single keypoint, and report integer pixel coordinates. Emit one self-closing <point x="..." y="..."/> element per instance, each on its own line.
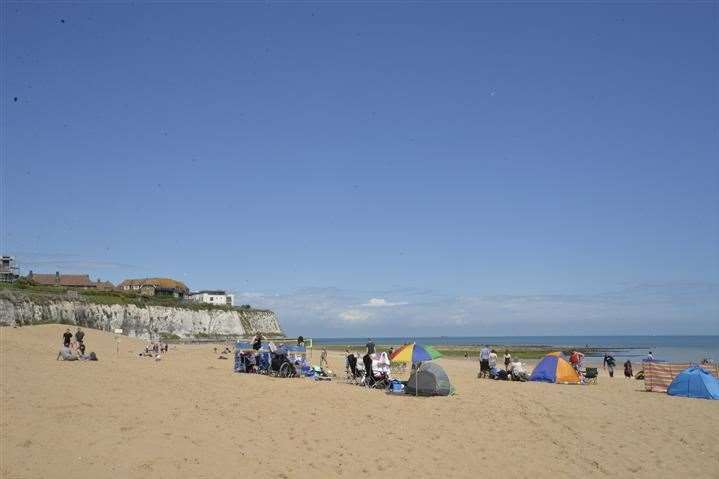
<point x="695" y="382"/>
<point x="429" y="379"/>
<point x="553" y="368"/>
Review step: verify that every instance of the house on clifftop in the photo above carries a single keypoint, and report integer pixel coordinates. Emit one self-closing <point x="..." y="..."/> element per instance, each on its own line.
<point x="217" y="297"/>
<point x="80" y="281"/>
<point x="155" y="287"/>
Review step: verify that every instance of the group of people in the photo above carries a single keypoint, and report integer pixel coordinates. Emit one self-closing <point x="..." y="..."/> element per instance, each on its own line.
<point x="608" y="364"/>
<point x="374" y="370"/>
<point x="488" y="365"/>
<point x="154" y="349"/>
<point x="74" y="349"/>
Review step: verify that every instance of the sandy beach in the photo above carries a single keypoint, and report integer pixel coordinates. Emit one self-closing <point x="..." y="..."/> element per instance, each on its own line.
<point x="190" y="416"/>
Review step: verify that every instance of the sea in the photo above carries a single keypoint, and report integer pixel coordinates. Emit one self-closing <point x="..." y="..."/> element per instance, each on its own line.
<point x="634" y="348"/>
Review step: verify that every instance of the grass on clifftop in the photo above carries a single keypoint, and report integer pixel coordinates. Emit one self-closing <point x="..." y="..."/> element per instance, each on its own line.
<point x="43" y="294"/>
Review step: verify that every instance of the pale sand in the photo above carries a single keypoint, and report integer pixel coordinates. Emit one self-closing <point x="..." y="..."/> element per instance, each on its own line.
<point x="190" y="416"/>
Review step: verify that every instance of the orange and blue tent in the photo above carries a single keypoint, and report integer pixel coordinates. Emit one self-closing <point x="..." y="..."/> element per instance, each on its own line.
<point x="553" y="368"/>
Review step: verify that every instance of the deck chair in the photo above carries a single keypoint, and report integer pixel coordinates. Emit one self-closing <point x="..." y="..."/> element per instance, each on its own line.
<point x="591" y="375"/>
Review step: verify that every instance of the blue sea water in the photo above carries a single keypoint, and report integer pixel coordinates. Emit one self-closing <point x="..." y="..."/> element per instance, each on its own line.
<point x="635" y="348"/>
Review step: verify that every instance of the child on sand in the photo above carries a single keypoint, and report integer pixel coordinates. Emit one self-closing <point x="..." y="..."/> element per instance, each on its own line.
<point x="507" y="359"/>
<point x="628" y="373"/>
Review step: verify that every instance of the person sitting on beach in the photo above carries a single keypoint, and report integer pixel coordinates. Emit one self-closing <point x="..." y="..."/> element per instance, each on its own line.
<point x="484" y="354"/>
<point x="66" y="354"/>
<point x="650" y="356"/>
<point x="507" y="359"/>
<point x="628" y="373"/>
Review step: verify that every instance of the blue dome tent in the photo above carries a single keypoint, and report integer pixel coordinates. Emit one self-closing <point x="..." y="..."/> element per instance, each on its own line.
<point x="695" y="382"/>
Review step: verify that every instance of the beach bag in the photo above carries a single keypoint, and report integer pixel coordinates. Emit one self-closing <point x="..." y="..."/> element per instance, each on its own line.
<point x="502" y="375"/>
<point x="396" y="387"/>
<point x="93" y="356"/>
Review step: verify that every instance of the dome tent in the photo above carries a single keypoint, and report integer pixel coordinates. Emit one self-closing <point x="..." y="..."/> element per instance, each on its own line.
<point x="553" y="368"/>
<point x="429" y="379"/>
<point x="695" y="382"/>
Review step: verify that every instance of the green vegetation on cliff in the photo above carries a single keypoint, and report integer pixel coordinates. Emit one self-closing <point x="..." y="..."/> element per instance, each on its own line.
<point x="44" y="294"/>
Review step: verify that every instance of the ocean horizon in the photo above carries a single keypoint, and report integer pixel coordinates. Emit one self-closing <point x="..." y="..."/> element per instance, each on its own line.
<point x="690" y="348"/>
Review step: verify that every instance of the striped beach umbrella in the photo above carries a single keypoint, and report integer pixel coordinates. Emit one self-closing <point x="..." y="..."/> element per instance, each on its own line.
<point x="414" y="353"/>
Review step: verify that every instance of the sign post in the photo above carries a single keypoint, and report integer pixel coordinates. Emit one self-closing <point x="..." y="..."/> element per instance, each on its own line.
<point x="118" y="332"/>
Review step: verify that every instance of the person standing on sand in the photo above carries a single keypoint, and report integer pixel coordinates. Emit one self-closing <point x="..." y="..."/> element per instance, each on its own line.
<point x="257" y="342"/>
<point x="576" y="360"/>
<point x="370" y="346"/>
<point x="484" y="362"/>
<point x="323" y="358"/>
<point x="79" y="335"/>
<point x="66" y="338"/>
<point x="609" y="360"/>
<point x="492" y="359"/>
<point x="507" y="359"/>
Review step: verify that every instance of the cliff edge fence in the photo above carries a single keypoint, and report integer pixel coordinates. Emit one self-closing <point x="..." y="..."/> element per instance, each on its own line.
<point x="20" y="307"/>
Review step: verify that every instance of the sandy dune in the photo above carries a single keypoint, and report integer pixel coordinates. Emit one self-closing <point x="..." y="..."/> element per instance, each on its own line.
<point x="190" y="416"/>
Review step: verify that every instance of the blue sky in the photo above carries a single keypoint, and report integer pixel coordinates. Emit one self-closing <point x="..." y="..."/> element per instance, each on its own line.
<point x="385" y="169"/>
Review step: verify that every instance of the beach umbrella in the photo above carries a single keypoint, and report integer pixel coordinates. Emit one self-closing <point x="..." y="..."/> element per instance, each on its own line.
<point x="414" y="353"/>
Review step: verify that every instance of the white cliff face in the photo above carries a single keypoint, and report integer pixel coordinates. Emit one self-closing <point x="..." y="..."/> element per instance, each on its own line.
<point x="138" y="321"/>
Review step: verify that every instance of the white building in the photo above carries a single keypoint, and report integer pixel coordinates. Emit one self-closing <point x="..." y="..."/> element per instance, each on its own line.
<point x="213" y="297"/>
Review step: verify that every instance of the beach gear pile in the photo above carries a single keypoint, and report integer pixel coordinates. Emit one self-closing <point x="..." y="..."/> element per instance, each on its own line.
<point x="284" y="361"/>
<point x="373" y="372"/>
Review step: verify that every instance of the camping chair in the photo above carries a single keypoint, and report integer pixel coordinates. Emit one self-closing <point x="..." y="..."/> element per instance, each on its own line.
<point x="591" y="375"/>
<point x="263" y="361"/>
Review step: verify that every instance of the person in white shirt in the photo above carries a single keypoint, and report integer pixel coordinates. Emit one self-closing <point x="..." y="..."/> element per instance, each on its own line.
<point x="484" y="354"/>
<point x="507" y="359"/>
<point x="493" y="359"/>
